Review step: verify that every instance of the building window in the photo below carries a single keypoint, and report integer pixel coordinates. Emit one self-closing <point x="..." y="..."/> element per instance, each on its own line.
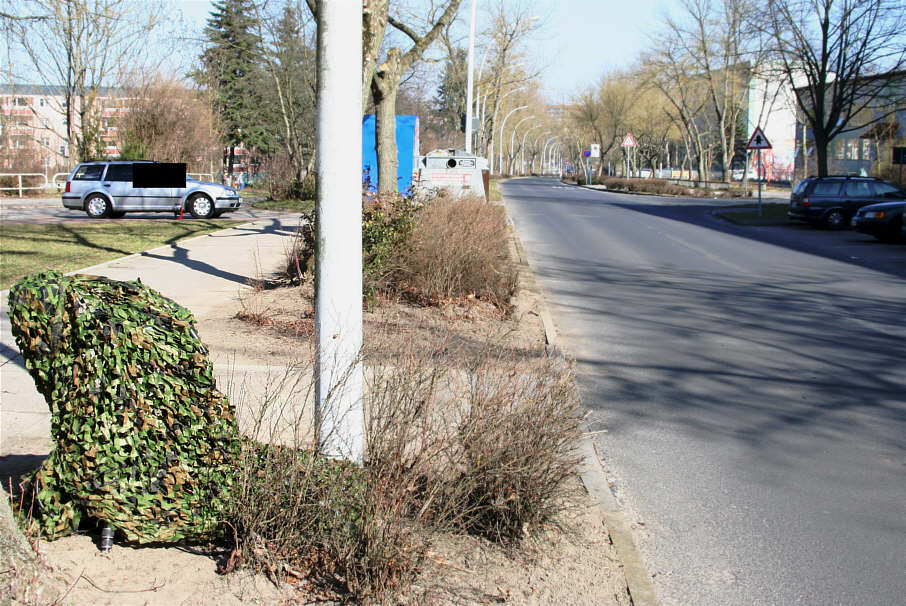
<point x="852" y="149"/>
<point x="41" y="102"/>
<point x="45" y="141"/>
<point x="45" y="123"/>
<point x="839" y="149"/>
<point x="866" y="149"/>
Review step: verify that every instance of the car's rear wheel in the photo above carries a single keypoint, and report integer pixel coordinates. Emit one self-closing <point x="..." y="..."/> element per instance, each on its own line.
<point x="835" y="219"/>
<point x="200" y="206"/>
<point x="97" y="206"/>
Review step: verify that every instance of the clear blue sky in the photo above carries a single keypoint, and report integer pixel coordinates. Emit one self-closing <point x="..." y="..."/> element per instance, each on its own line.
<point x="579" y="41"/>
<point x="582" y="39"/>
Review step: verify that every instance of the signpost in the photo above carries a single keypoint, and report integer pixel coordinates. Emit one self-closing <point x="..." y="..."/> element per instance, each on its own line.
<point x="627" y="144"/>
<point x="595" y="152"/>
<point x="758" y="142"/>
<point x="587" y="155"/>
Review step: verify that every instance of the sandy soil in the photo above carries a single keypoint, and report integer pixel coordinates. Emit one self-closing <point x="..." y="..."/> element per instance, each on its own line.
<point x="572" y="563"/>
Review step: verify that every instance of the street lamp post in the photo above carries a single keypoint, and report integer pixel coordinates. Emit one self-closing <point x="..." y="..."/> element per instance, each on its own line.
<point x="544" y="152"/>
<point x="502" y="125"/>
<point x="523" y="146"/>
<point x="513" y="140"/>
<point x="491" y="150"/>
<point x="470" y="81"/>
<point x="535" y="148"/>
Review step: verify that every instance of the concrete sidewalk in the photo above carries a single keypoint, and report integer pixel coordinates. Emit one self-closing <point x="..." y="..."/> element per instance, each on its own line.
<point x="200" y="274"/>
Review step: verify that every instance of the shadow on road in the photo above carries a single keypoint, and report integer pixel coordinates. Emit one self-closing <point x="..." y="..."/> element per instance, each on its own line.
<point x="750" y="360"/>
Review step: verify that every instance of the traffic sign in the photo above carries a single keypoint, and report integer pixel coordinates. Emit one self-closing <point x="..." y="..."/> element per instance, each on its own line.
<point x="595" y="150"/>
<point x="758" y="140"/>
<point x="628" y="141"/>
<point x="586" y="153"/>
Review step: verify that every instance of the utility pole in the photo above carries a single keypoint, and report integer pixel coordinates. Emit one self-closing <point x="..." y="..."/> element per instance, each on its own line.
<point x="339" y="411"/>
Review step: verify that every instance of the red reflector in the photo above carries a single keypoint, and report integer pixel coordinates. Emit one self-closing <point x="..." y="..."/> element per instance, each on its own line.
<point x="67" y="187"/>
<point x="805" y="202"/>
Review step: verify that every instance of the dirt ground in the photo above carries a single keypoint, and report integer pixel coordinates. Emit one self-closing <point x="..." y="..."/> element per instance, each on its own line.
<point x="570" y="563"/>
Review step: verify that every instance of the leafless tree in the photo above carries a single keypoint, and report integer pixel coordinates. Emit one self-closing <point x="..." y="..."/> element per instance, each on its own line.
<point x="836" y="55"/>
<point x="82" y="46"/>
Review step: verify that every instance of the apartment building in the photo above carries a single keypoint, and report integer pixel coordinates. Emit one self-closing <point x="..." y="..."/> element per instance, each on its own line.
<point x="33" y="127"/>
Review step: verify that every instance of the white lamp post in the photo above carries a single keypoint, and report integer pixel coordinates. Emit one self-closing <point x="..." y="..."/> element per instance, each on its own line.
<point x="531" y="128"/>
<point x="491" y="151"/>
<point x="512" y="111"/>
<point x="513" y="139"/>
<point x="339" y="413"/>
<point x="470" y="81"/>
<point x="544" y="152"/>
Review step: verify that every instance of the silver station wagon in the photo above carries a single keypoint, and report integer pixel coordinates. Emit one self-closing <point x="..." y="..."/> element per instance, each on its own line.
<point x="113" y="188"/>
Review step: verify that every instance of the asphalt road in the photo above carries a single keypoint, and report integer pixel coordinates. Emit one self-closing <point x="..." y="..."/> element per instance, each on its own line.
<point x="746" y="386"/>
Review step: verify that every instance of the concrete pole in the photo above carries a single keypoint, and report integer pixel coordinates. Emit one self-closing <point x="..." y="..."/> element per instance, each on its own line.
<point x="470" y="79"/>
<point x="339" y="411"/>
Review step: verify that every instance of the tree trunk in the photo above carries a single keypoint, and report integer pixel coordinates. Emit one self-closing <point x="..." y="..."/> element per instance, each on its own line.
<point x="821" y="144"/>
<point x="384" y="87"/>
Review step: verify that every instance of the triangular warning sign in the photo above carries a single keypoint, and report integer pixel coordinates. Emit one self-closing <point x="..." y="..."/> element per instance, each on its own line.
<point x="628" y="141"/>
<point x="758" y="140"/>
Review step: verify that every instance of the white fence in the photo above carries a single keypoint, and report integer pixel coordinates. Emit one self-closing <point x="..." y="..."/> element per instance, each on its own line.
<point x="53" y="182"/>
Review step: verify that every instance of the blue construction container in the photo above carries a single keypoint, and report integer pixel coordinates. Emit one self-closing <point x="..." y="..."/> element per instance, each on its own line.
<point x="406" y="151"/>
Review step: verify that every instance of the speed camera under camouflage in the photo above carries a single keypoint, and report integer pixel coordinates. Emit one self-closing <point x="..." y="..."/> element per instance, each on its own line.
<point x="144" y="441"/>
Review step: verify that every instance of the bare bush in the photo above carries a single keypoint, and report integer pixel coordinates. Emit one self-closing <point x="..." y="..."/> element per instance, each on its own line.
<point x="458" y="248"/>
<point x="484" y="449"/>
<point x="284" y="182"/>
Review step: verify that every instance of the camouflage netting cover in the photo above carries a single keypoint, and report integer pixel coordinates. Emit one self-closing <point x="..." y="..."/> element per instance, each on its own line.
<point x="144" y="441"/>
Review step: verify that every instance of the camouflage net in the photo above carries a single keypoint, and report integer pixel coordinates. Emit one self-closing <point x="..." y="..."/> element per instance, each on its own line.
<point x="144" y="441"/>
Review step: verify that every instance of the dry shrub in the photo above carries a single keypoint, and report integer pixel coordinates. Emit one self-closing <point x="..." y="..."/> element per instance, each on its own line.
<point x="483" y="449"/>
<point x="458" y="248"/>
<point x="518" y="440"/>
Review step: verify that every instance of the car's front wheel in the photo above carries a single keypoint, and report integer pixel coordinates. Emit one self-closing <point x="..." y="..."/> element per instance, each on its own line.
<point x="97" y="206"/>
<point x="200" y="206"/>
<point x="835" y="219"/>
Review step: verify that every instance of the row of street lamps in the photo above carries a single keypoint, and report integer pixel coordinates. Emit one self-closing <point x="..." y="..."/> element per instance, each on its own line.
<point x="478" y="108"/>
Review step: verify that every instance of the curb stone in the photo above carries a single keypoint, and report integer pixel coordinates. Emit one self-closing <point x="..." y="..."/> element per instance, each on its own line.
<point x="591" y="469"/>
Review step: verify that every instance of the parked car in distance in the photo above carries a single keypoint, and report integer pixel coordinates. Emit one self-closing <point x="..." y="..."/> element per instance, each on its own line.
<point x="833" y="201"/>
<point x="883" y="221"/>
<point x="113" y="188"/>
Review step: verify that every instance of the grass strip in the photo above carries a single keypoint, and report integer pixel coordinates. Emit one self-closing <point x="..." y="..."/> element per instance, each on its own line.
<point x="28" y="248"/>
<point x="748" y="215"/>
<point x="297" y="206"/>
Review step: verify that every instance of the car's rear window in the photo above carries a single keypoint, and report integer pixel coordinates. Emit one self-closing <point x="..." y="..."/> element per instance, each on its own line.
<point x="800" y="187"/>
<point x="826" y="188"/>
<point x="885" y="188"/>
<point x="89" y="172"/>
<point x="857" y="189"/>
